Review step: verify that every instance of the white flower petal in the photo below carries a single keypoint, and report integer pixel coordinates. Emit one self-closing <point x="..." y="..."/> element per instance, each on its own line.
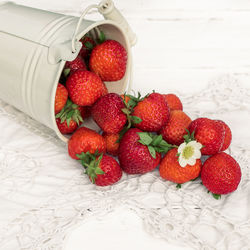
<point x="199" y="145"/>
<point x="182" y="162"/>
<point x="181" y="147"/>
<point x="195" y="144"/>
<point x="197" y="154"/>
<point x="192" y="143"/>
<point x="191" y="161"/>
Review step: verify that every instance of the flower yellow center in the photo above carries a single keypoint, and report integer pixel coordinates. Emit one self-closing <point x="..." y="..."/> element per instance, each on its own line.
<point x="188" y="152"/>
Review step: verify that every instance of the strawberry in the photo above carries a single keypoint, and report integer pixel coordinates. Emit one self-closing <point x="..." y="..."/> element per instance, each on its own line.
<point x="139" y="152"/>
<point x="85" y="140"/>
<point x="221" y="174"/>
<point x="109" y="60"/>
<point x="85" y="112"/>
<point x="60" y="98"/>
<point x="228" y="136"/>
<point x="71" y="67"/>
<point x="173" y="101"/>
<point x="87" y="45"/>
<point x="153" y="111"/>
<point x="171" y="170"/>
<point x="111" y="143"/>
<point x="107" y="113"/>
<point x="209" y="133"/>
<point x="85" y="87"/>
<point x="103" y="170"/>
<point x="66" y="127"/>
<point x="176" y="127"/>
<point x="69" y="118"/>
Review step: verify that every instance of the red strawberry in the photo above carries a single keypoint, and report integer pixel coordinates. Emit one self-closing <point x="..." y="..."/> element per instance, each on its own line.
<point x="69" y="118"/>
<point x="171" y="170"/>
<point x="109" y="60"/>
<point x="85" y="87"/>
<point x="66" y="128"/>
<point x="112" y="172"/>
<point x="71" y="67"/>
<point x="87" y="45"/>
<point x="153" y="111"/>
<point x="85" y="140"/>
<point x="228" y="136"/>
<point x="209" y="133"/>
<point x="107" y="113"/>
<point x="111" y="142"/>
<point x="85" y="112"/>
<point x="173" y="102"/>
<point x="60" y="98"/>
<point x="138" y="151"/>
<point x="221" y="174"/>
<point x="175" y="128"/>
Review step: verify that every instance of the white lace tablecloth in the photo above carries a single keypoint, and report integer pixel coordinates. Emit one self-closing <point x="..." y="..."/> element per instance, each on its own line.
<point x="44" y="193"/>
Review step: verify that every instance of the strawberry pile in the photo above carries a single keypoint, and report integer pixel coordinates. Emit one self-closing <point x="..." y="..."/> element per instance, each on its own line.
<point x="82" y="81"/>
<point x="138" y="133"/>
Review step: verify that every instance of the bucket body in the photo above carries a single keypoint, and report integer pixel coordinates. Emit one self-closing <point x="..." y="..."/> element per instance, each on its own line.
<point x="34" y="46"/>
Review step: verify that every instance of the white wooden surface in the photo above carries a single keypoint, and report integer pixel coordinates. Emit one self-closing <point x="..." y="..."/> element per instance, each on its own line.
<point x="182" y="45"/>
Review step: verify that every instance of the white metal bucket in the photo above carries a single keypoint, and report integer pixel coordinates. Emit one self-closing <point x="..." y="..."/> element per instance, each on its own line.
<point x="34" y="46"/>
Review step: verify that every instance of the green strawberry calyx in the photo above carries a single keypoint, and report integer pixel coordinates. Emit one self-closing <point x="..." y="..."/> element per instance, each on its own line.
<point x="216" y="196"/>
<point x="91" y="163"/>
<point x="129" y="109"/>
<point x="70" y="112"/>
<point x="155" y="143"/>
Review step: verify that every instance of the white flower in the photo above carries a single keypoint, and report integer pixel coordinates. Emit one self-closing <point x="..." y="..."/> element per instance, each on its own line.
<point x="189" y="152"/>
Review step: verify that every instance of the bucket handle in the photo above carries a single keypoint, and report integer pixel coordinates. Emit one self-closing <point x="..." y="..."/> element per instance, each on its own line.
<point x="110" y="12"/>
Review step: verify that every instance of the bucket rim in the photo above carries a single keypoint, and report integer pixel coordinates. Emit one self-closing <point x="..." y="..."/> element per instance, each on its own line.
<point x="65" y="138"/>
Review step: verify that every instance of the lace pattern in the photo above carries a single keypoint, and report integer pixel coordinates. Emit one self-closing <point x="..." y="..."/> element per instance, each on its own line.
<point x="51" y="194"/>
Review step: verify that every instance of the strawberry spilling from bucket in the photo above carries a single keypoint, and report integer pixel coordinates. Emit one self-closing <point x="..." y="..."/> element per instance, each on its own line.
<point x="85" y="87"/>
<point x="109" y="60"/>
<point x="69" y="118"/>
<point x="61" y="98"/>
<point x="71" y="67"/>
<point x="141" y="132"/>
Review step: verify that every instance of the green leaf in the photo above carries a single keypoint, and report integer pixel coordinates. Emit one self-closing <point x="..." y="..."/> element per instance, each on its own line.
<point x="136" y="119"/>
<point x="131" y="103"/>
<point x="192" y="136"/>
<point x="145" y="137"/>
<point x="152" y="151"/>
<point x="142" y="142"/>
<point x="102" y="37"/>
<point x="99" y="171"/>
<point x="58" y="115"/>
<point x="157" y="139"/>
<point x="217" y="196"/>
<point x="123" y="131"/>
<point x="68" y="121"/>
<point x="70" y="114"/>
<point x="178" y="185"/>
<point x="165" y="144"/>
<point x="88" y="45"/>
<point x="66" y="72"/>
<point x="99" y="160"/>
<point x="126" y="111"/>
<point x="79" y="156"/>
